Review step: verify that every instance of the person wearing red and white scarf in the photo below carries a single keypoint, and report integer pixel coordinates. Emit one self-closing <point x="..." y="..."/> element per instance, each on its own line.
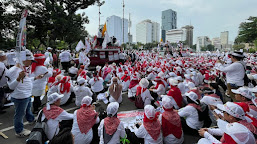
<point x="175" y="94"/>
<point x="125" y="80"/>
<point x="83" y="75"/>
<point x="51" y="79"/>
<point x="84" y="119"/>
<point x="111" y="129"/>
<point x="65" y="87"/>
<point x="39" y="85"/>
<point x="210" y="98"/>
<point x="120" y="73"/>
<point x="159" y="88"/>
<point x="144" y="92"/>
<point x="134" y="83"/>
<point x="54" y="86"/>
<point x="81" y="90"/>
<point x="150" y="130"/>
<point x="54" y="114"/>
<point x="171" y="124"/>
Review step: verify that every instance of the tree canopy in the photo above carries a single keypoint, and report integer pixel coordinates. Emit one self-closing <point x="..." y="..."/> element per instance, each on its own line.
<point x="247" y="31"/>
<point x="48" y="20"/>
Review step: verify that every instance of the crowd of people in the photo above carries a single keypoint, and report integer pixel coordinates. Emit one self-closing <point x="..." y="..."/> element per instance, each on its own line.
<point x="212" y="96"/>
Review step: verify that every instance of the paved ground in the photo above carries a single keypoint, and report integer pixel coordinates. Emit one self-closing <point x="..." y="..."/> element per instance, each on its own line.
<point x="7" y="122"/>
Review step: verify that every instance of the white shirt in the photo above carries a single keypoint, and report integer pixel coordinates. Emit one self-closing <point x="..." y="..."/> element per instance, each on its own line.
<point x="52" y="128"/>
<point x="182" y="88"/>
<point x="191" y="116"/>
<point x="120" y="133"/>
<point x="65" y="56"/>
<point x="96" y="86"/>
<point x="81" y="92"/>
<point x="171" y="137"/>
<point x="49" y="54"/>
<point x="39" y="85"/>
<point x="81" y="138"/>
<point x="3" y="80"/>
<point x="73" y="70"/>
<point x="234" y="73"/>
<point x="21" y="89"/>
<point x="141" y="132"/>
<point x="160" y="90"/>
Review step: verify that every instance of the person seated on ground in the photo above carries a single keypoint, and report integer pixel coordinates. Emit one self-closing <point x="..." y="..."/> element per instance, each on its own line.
<point x="96" y="84"/>
<point x="191" y="115"/>
<point x="81" y="68"/>
<point x="111" y="129"/>
<point x="84" y="119"/>
<point x="54" y="86"/>
<point x="210" y="98"/>
<point x="81" y="90"/>
<point x="132" y="90"/>
<point x="242" y="94"/>
<point x="216" y="90"/>
<point x="233" y="133"/>
<point x="65" y="87"/>
<point x="83" y="75"/>
<point x="63" y="137"/>
<point x="159" y="89"/>
<point x="143" y="92"/>
<point x="52" y="79"/>
<point x="175" y="94"/>
<point x="232" y="113"/>
<point x="73" y="70"/>
<point x="125" y="80"/>
<point x="54" y="114"/>
<point x="115" y="91"/>
<point x="150" y="130"/>
<point x="171" y="124"/>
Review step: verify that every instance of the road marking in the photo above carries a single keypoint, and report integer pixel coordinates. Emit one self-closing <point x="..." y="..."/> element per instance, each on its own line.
<point x="26" y="123"/>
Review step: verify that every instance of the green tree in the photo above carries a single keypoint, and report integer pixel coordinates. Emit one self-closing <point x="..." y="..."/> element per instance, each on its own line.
<point x="237" y="47"/>
<point x="210" y="47"/>
<point x="247" y="31"/>
<point x="51" y="20"/>
<point x="194" y="47"/>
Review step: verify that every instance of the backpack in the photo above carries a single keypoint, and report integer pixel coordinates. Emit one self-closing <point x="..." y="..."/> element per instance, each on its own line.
<point x="139" y="103"/>
<point x="6" y="87"/>
<point x="38" y="133"/>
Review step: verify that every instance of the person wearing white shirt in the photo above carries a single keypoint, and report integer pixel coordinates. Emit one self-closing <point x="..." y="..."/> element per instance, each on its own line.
<point x="111" y="129"/>
<point x="159" y="89"/>
<point x="21" y="83"/>
<point x="150" y="130"/>
<point x="190" y="115"/>
<point x="84" y="119"/>
<point x="3" y="79"/>
<point x="49" y="55"/>
<point x="235" y="72"/>
<point x="65" y="87"/>
<point x="65" y="58"/>
<point x="39" y="85"/>
<point x="96" y="85"/>
<point x="81" y="90"/>
<point x="54" y="114"/>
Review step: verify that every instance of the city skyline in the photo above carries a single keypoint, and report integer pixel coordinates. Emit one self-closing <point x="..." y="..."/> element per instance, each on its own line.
<point x="208" y="18"/>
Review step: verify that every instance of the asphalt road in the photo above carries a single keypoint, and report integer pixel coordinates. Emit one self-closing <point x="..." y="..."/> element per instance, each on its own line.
<point x="7" y="122"/>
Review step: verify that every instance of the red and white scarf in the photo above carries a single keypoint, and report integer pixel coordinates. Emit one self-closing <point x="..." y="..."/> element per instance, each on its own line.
<point x="111" y="124"/>
<point x="153" y="127"/>
<point x="86" y="118"/>
<point x="65" y="85"/>
<point x="53" y="113"/>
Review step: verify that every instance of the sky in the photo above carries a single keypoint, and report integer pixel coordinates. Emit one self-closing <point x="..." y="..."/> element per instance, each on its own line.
<point x="209" y="17"/>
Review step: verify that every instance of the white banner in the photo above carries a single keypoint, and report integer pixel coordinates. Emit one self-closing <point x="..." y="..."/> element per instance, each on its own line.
<point x="80" y="46"/>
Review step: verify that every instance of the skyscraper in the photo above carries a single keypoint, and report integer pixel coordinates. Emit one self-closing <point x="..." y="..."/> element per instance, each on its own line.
<point x="115" y="28"/>
<point x="147" y="31"/>
<point x="224" y="37"/>
<point x="169" y="21"/>
<point x="189" y="35"/>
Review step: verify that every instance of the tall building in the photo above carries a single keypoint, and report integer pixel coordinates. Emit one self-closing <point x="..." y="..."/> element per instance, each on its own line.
<point x="147" y="31"/>
<point x="189" y="35"/>
<point x="169" y="22"/>
<point x="175" y="35"/>
<point x="202" y="41"/>
<point x="224" y="37"/>
<point x="115" y="28"/>
<point x="216" y="42"/>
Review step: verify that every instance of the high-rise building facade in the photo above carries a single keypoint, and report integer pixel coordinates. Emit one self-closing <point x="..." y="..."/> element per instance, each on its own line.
<point x="202" y="41"/>
<point x="169" y="22"/>
<point x="115" y="28"/>
<point x="176" y="35"/>
<point x="189" y="35"/>
<point x="147" y="31"/>
<point x="224" y="37"/>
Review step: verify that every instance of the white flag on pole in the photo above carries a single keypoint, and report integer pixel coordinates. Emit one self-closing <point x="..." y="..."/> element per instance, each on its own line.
<point x="106" y="40"/>
<point x="88" y="46"/>
<point x="80" y="46"/>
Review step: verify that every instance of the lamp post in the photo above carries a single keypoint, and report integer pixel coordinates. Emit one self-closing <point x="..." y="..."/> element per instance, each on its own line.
<point x="123" y="20"/>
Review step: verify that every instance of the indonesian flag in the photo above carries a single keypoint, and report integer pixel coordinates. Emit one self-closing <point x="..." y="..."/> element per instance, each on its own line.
<point x="80" y="45"/>
<point x="88" y="46"/>
<point x="94" y="42"/>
